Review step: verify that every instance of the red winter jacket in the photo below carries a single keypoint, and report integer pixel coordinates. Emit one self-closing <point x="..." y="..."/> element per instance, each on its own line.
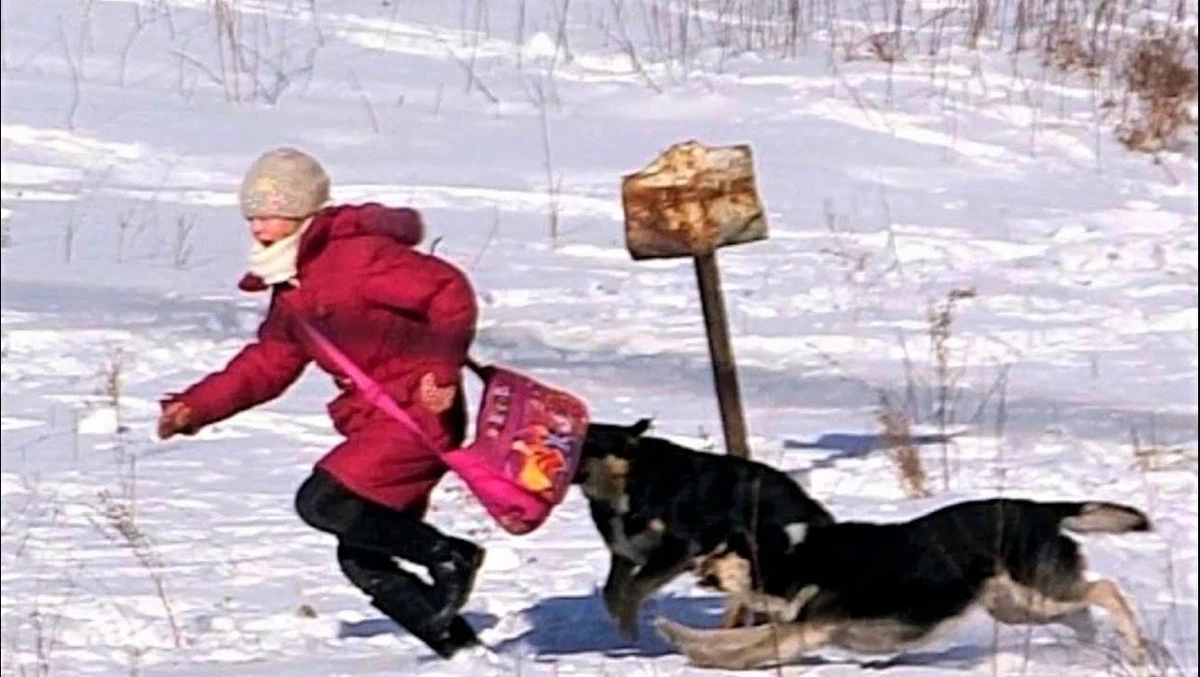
<point x="405" y="318"/>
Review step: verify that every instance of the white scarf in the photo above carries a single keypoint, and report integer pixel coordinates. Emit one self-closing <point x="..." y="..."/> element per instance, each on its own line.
<point x="276" y="262"/>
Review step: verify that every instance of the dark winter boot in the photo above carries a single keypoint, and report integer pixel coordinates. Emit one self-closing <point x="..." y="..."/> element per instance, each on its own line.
<point x="452" y="562"/>
<point x="445" y="640"/>
<point x="458" y="636"/>
<point x="453" y="567"/>
<point x="405" y="599"/>
<point x="373" y="533"/>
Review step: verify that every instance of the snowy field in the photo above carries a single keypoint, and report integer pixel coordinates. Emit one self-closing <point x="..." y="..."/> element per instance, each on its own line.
<point x="1071" y="373"/>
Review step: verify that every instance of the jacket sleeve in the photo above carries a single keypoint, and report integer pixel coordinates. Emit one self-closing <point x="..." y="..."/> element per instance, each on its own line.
<point x="261" y="371"/>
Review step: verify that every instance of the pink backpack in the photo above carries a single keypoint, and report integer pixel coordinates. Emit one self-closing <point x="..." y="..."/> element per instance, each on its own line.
<point x="528" y="440"/>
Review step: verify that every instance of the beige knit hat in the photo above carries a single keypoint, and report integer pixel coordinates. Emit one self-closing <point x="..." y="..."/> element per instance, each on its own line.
<point x="284" y="182"/>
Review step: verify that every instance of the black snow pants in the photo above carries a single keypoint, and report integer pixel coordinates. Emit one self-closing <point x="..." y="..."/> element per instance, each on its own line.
<point x="370" y="536"/>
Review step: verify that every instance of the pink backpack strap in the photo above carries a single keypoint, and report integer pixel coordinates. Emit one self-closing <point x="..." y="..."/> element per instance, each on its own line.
<point x="368" y="387"/>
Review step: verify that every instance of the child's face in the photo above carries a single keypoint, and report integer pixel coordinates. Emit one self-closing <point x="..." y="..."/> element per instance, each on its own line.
<point x="271" y="229"/>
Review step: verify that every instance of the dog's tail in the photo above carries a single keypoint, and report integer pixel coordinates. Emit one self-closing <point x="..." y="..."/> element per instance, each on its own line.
<point x="1101" y="517"/>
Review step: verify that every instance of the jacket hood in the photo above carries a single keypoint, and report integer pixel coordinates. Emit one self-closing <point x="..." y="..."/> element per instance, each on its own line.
<point x="402" y="224"/>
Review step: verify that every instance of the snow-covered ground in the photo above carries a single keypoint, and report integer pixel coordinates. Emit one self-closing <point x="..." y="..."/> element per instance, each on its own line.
<point x="888" y="187"/>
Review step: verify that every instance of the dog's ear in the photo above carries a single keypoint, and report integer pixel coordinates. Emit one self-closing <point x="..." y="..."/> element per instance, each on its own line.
<point x="606" y="438"/>
<point x="612" y="439"/>
<point x="638" y="429"/>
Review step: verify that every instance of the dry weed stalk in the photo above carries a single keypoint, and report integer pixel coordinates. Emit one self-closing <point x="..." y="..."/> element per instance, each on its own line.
<point x="898" y="440"/>
<point x="47" y="633"/>
<point x="366" y="100"/>
<point x="112" y="386"/>
<point x="33" y="622"/>
<point x="120" y="517"/>
<point x="553" y="180"/>
<point x="254" y="59"/>
<point x="1150" y="456"/>
<point x="941" y="324"/>
<point x="181" y="251"/>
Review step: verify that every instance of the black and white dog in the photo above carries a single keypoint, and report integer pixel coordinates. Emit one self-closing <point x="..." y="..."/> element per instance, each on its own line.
<point x="883" y="588"/>
<point x="661" y="508"/>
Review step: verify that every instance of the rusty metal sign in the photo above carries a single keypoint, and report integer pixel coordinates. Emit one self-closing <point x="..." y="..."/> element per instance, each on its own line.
<point x="692" y="200"/>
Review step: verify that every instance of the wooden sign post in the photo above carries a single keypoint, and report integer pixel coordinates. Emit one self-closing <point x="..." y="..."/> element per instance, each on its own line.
<point x="690" y="201"/>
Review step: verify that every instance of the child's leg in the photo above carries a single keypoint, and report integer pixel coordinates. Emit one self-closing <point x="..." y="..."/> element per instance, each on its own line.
<point x="405" y="599"/>
<point x="364" y="526"/>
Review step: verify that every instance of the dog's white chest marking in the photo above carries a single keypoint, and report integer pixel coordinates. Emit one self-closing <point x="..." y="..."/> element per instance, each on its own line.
<point x="621" y="505"/>
<point x="796" y="532"/>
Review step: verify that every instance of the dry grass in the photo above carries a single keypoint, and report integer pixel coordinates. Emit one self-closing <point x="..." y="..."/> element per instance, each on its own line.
<point x="1160" y="78"/>
<point x="181" y="245"/>
<point x="112" y="387"/>
<point x="672" y="31"/>
<point x="38" y="635"/>
<point x="33" y="620"/>
<point x="898" y="440"/>
<point x="257" y="56"/>
<point x="935" y="394"/>
<point x="119" y="511"/>
<point x="1149" y="455"/>
<point x="1144" y="49"/>
<point x="119" y="516"/>
<point x="553" y="178"/>
<point x="941" y="324"/>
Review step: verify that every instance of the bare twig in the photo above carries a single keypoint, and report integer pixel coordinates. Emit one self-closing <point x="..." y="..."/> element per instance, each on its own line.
<point x="73" y="64"/>
<point x="366" y="99"/>
<point x="181" y="252"/>
<point x="487" y="241"/>
<point x="119" y="517"/>
<point x="553" y="183"/>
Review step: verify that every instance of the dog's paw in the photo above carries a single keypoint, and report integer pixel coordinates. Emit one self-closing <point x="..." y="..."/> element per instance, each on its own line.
<point x="622" y="607"/>
<point x="677" y="632"/>
<point x="612" y="602"/>
<point x="685" y="640"/>
<point x="627" y="620"/>
<point x="1136" y="654"/>
<point x="669" y="630"/>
